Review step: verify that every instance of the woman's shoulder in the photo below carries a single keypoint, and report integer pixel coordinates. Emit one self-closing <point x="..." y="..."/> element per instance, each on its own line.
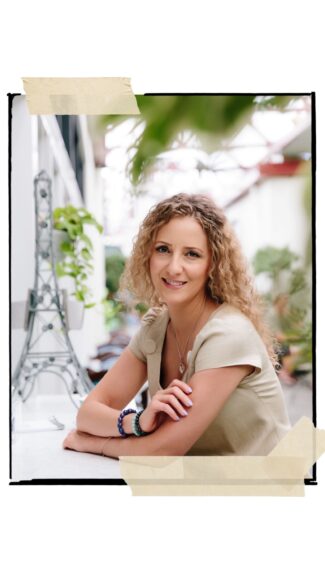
<point x="228" y="317"/>
<point x="149" y="333"/>
<point x="228" y="338"/>
<point x="229" y="326"/>
<point x="154" y="316"/>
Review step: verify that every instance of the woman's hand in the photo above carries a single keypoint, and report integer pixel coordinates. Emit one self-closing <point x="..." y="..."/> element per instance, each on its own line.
<point x="171" y="402"/>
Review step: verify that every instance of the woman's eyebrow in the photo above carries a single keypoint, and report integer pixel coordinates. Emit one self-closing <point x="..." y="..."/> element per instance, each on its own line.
<point x="194" y="249"/>
<point x="188" y="248"/>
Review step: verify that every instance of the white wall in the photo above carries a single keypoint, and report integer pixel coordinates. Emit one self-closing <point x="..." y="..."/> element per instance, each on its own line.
<point x="271" y="214"/>
<point x="22" y="214"/>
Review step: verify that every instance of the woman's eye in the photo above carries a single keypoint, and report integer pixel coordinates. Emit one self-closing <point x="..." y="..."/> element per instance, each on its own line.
<point x="162" y="249"/>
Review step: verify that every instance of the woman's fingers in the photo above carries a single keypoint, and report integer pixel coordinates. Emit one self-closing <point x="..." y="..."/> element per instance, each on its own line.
<point x="166" y="408"/>
<point x="181" y="384"/>
<point x="177" y="395"/>
<point x="183" y="397"/>
<point x="181" y="390"/>
<point x="174" y="402"/>
<point x="170" y="399"/>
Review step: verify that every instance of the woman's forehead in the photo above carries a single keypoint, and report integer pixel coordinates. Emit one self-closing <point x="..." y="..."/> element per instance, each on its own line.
<point x="182" y="228"/>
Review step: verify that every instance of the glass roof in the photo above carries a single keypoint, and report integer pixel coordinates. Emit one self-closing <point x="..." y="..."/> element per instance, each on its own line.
<point x="225" y="173"/>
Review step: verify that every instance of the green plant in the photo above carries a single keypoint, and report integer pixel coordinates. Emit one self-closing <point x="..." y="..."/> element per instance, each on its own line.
<point x="113" y="313"/>
<point x="273" y="262"/>
<point x="114" y="267"/>
<point x="113" y="309"/>
<point x="211" y="117"/>
<point x="289" y="298"/>
<point x="77" y="248"/>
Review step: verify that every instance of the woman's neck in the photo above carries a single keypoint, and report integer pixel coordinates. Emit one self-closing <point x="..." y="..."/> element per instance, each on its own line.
<point x="191" y="316"/>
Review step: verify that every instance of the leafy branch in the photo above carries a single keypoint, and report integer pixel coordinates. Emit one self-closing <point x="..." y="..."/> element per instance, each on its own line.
<point x="77" y="248"/>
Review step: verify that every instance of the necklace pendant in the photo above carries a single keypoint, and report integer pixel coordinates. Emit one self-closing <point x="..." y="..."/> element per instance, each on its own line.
<point x="181" y="368"/>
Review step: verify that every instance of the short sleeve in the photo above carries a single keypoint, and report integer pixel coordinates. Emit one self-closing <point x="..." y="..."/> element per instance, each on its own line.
<point x="144" y="341"/>
<point x="229" y="342"/>
<point x="135" y="345"/>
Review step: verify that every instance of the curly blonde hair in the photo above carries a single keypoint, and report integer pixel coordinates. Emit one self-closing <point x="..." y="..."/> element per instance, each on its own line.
<point x="228" y="279"/>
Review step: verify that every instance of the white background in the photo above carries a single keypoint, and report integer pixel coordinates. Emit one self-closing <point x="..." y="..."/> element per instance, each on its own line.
<point x="170" y="46"/>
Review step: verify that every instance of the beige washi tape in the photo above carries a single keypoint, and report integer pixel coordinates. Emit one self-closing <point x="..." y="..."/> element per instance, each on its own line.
<point x="280" y="473"/>
<point x="80" y="96"/>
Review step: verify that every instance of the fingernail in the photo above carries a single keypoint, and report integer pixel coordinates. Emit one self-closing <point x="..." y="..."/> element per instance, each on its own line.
<point x="184" y="412"/>
<point x="189" y="402"/>
<point x="189" y="390"/>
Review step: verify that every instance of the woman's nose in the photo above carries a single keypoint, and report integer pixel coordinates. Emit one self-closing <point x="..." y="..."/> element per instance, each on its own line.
<point x="175" y="265"/>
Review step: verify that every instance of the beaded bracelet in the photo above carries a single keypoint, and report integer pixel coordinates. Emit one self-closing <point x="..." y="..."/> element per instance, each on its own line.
<point x="136" y="425"/>
<point x="120" y="420"/>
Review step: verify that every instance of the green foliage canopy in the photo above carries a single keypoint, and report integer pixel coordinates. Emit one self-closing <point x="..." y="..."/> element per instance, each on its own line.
<point x="168" y="115"/>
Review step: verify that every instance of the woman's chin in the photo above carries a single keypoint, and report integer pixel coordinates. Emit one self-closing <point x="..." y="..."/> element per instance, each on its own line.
<point x="176" y="298"/>
<point x="172" y="299"/>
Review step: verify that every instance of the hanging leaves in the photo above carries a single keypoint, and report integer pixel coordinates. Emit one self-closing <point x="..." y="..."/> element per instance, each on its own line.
<point x="77" y="249"/>
<point x="215" y="116"/>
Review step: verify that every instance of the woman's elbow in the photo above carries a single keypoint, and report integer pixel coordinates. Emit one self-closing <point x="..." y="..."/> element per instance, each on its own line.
<point x="82" y="417"/>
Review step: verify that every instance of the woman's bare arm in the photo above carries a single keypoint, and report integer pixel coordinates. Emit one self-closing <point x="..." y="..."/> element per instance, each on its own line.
<point x="99" y="412"/>
<point x="211" y="389"/>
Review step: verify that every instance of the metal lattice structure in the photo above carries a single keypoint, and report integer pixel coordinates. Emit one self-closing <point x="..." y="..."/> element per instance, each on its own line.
<point x="47" y="347"/>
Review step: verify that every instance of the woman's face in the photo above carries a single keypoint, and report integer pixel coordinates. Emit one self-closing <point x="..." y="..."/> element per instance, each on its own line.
<point x="180" y="261"/>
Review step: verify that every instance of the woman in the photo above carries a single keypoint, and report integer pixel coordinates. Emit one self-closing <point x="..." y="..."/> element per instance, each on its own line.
<point x="203" y="348"/>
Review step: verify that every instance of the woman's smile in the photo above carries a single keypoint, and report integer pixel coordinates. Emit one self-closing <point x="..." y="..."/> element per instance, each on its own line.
<point x="173" y="284"/>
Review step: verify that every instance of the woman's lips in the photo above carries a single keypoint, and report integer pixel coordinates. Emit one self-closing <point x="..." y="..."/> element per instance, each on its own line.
<point x="173" y="284"/>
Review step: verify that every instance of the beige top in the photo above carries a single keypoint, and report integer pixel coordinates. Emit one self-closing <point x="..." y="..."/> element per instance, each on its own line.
<point x="254" y="418"/>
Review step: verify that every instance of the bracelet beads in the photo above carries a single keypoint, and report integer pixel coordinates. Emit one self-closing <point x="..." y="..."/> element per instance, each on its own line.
<point x="136" y="425"/>
<point x="120" y="421"/>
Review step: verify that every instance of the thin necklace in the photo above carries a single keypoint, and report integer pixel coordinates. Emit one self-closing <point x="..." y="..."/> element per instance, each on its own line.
<point x="182" y="364"/>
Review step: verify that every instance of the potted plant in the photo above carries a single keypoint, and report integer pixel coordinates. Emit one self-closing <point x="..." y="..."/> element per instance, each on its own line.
<point x="289" y="305"/>
<point x="75" y="254"/>
<point x="113" y="307"/>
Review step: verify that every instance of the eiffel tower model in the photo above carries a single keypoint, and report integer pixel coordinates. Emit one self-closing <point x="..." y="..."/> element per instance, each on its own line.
<point x="47" y="347"/>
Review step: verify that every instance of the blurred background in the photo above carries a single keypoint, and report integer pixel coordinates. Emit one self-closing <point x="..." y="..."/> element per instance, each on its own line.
<point x="250" y="153"/>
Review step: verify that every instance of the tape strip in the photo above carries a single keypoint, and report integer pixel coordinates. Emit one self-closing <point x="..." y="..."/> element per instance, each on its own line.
<point x="80" y="96"/>
<point x="281" y="473"/>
